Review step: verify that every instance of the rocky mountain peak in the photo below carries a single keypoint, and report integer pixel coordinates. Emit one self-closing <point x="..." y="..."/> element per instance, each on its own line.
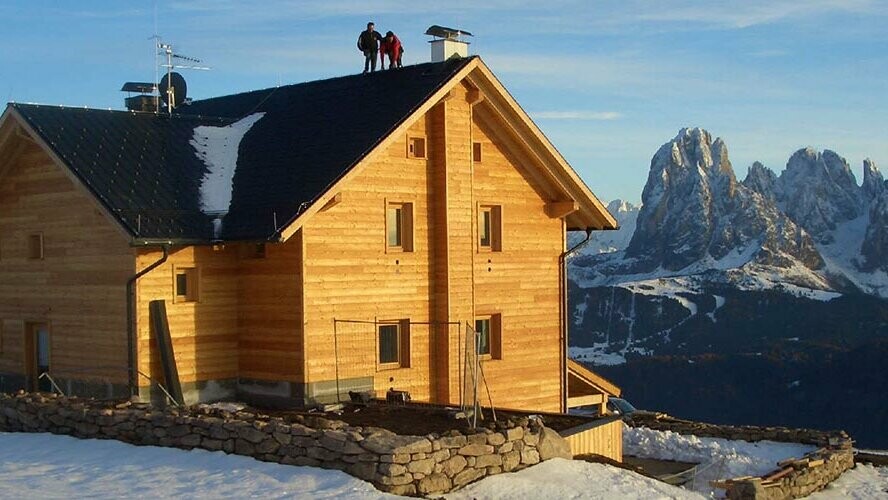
<point x="693" y="209"/>
<point x="873" y="182"/>
<point x="762" y="180"/>
<point x="818" y="190"/>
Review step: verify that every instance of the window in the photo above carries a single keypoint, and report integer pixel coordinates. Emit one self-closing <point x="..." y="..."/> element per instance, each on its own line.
<point x="489" y="332"/>
<point x="476" y="152"/>
<point x="490" y="228"/>
<point x="416" y="147"/>
<point x="399" y="226"/>
<point x="186" y="285"/>
<point x="35" y="246"/>
<point x="394" y="344"/>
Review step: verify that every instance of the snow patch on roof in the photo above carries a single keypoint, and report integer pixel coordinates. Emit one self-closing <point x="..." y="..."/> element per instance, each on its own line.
<point x="218" y="148"/>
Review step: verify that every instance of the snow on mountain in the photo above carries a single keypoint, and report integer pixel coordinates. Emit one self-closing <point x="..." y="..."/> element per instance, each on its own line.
<point x="611" y="241"/>
<point x="819" y="191"/>
<point x="810" y="228"/>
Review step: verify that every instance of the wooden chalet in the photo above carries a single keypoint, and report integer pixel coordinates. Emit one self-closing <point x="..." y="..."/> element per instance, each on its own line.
<point x="307" y="240"/>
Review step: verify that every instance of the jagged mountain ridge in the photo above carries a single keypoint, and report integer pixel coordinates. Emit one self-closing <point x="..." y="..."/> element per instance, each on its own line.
<point x="811" y="226"/>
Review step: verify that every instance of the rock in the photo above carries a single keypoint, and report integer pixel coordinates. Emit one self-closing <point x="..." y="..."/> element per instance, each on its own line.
<point x="268" y="446"/>
<point x="440" y="455"/>
<point x="301" y="461"/>
<point x="452" y="441"/>
<point x="392" y="469"/>
<point x="402" y="489"/>
<point x="474" y="450"/>
<point x="190" y="440"/>
<point x="515" y="433"/>
<point x="505" y="448"/>
<point x="363" y="470"/>
<point x="425" y="466"/>
<point x="529" y="456"/>
<point x="479" y="438"/>
<point x="552" y="445"/>
<point x="531" y="439"/>
<point x="488" y="461"/>
<point x="250" y="434"/>
<point x="467" y="476"/>
<point x="400" y="458"/>
<point x="434" y="483"/>
<point x="243" y="447"/>
<point x="394" y="444"/>
<point x="454" y="465"/>
<point x="211" y="444"/>
<point x="281" y="438"/>
<point x="496" y="439"/>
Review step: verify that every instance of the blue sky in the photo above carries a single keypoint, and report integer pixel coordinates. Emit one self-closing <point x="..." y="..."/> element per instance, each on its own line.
<point x="608" y="82"/>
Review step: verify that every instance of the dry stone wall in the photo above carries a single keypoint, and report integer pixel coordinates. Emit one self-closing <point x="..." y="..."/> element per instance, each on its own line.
<point x="407" y="465"/>
<point x="793" y="478"/>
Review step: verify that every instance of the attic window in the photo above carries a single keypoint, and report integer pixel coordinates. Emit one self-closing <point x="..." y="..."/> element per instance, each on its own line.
<point x="476" y="152"/>
<point x="186" y="284"/>
<point x="35" y="246"/>
<point x="416" y="147"/>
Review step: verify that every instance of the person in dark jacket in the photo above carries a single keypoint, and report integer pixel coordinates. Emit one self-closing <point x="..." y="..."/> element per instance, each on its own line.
<point x="368" y="43"/>
<point x="391" y="47"/>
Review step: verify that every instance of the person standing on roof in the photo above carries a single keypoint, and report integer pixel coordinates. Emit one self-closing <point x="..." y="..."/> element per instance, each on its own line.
<point x="368" y="43"/>
<point x="391" y="47"/>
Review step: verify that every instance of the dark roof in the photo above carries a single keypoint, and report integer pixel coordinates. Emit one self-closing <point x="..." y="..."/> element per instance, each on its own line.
<point x="145" y="170"/>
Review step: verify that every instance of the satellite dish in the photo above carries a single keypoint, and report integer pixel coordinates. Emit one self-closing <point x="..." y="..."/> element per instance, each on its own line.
<point x="176" y="82"/>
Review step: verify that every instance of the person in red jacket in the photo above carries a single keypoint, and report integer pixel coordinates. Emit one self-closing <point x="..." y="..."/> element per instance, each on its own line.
<point x="391" y="46"/>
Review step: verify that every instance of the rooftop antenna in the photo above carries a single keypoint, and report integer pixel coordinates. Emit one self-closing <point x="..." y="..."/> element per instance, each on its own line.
<point x="172" y="88"/>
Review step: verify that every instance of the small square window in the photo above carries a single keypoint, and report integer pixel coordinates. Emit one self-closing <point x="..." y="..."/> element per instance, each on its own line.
<point x="399" y="226"/>
<point x="490" y="228"/>
<point x="416" y="147"/>
<point x="476" y="152"/>
<point x="35" y="246"/>
<point x="186" y="285"/>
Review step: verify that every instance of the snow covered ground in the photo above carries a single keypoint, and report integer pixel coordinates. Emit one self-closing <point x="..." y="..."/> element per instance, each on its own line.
<point x="569" y="479"/>
<point x="49" y="467"/>
<point x="864" y="482"/>
<point x="718" y="458"/>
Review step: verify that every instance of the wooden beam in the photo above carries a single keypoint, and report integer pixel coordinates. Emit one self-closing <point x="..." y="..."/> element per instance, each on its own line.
<point x="591" y="399"/>
<point x="474" y="96"/>
<point x="561" y="209"/>
<point x="335" y="200"/>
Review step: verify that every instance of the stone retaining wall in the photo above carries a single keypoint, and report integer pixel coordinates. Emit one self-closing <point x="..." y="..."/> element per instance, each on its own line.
<point x="664" y="422"/>
<point x="406" y="465"/>
<point x="794" y="478"/>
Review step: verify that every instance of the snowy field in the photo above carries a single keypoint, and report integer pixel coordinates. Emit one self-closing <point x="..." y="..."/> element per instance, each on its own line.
<point x="53" y="467"/>
<point x="718" y="458"/>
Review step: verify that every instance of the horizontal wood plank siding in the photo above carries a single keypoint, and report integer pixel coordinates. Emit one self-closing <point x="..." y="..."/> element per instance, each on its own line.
<point x="78" y="288"/>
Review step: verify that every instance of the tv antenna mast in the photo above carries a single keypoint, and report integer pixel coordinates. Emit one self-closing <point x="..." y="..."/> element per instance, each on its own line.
<point x="172" y="88"/>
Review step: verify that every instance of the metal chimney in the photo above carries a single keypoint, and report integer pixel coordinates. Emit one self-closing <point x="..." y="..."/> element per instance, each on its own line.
<point x="447" y="43"/>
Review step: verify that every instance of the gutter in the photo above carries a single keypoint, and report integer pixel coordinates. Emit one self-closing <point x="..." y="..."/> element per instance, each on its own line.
<point x="562" y="270"/>
<point x="131" y="319"/>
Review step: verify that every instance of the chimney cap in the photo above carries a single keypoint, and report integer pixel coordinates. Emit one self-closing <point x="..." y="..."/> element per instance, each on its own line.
<point x="444" y="32"/>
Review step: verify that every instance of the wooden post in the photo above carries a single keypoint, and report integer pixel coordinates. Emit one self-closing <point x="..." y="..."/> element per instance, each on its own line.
<point x="158" y="315"/>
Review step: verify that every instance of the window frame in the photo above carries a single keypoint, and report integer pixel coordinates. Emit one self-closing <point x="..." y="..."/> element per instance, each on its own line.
<point x="40" y="248"/>
<point x="477" y="152"/>
<point x="495" y="230"/>
<point x="412" y="142"/>
<point x="192" y="284"/>
<point x="405" y="226"/>
<point x="494" y="335"/>
<point x="402" y="344"/>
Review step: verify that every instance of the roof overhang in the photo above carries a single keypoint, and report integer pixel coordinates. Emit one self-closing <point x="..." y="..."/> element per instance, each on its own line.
<point x="570" y="197"/>
<point x="12" y="122"/>
<point x="591" y="380"/>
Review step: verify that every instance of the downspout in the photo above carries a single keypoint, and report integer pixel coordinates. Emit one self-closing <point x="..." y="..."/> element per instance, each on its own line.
<point x="562" y="269"/>
<point x="131" y="320"/>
